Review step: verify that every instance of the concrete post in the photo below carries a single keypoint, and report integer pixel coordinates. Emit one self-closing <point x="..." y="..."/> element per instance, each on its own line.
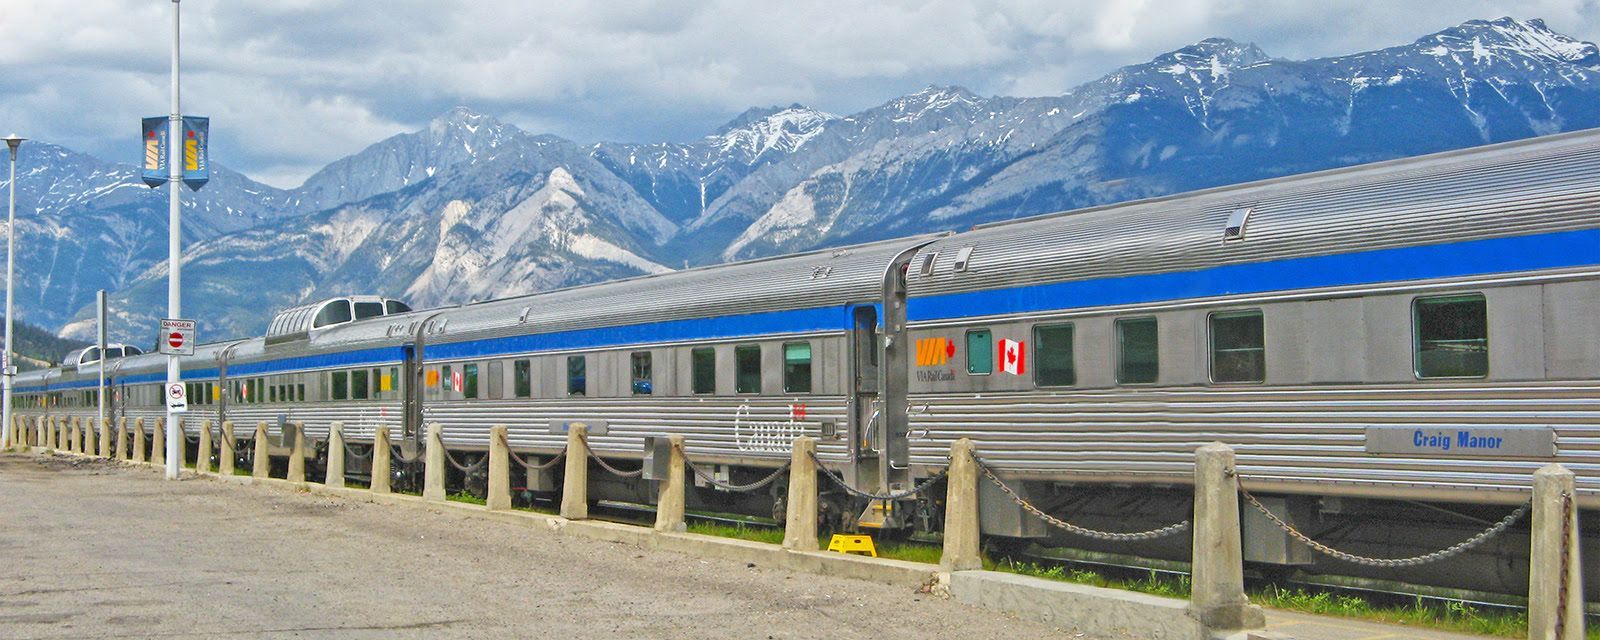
<point x="335" y="475"/>
<point x="225" y="449"/>
<point x="670" y="499"/>
<point x="499" y="470"/>
<point x="800" y="523"/>
<point x="52" y="425"/>
<point x="138" y="441"/>
<point x="961" y="539"/>
<point x="91" y="444"/>
<point x="158" y="443"/>
<point x="122" y="439"/>
<point x="1217" y="599"/>
<point x="1555" y="543"/>
<point x="575" y="484"/>
<point x="72" y="436"/>
<point x="263" y="460"/>
<point x="380" y="460"/>
<point x="182" y="445"/>
<point x="433" y="469"/>
<point x="297" y="453"/>
<point x="202" y="456"/>
<point x="105" y="438"/>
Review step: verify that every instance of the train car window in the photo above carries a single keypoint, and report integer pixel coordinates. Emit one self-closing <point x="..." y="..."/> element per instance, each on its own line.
<point x="211" y="393"/>
<point x="469" y="381"/>
<point x="395" y="306"/>
<point x="272" y="393"/>
<point x="334" y="312"/>
<point x="703" y="370"/>
<point x="797" y="367"/>
<point x="577" y="376"/>
<point x="980" y="352"/>
<point x="300" y="392"/>
<point x="639" y="364"/>
<point x="390" y="380"/>
<point x="366" y="310"/>
<point x="522" y="374"/>
<point x="747" y="368"/>
<point x="360" y="384"/>
<point x="1450" y="336"/>
<point x="339" y="387"/>
<point x="1138" y="350"/>
<point x="1053" y="356"/>
<point x="1238" y="347"/>
<point x="255" y="390"/>
<point x="449" y="380"/>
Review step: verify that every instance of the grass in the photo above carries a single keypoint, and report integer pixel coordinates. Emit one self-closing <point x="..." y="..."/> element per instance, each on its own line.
<point x="1153" y="582"/>
<point x="467" y="497"/>
<point x="739" y="531"/>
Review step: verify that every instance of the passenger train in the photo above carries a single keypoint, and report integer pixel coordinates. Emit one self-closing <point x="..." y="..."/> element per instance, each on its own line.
<point x="1360" y="336"/>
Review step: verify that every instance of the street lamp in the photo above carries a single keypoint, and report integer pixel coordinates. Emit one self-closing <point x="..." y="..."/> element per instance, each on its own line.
<point x="9" y="371"/>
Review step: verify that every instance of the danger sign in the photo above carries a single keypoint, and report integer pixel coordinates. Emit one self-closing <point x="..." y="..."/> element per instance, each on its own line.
<point x="176" y="337"/>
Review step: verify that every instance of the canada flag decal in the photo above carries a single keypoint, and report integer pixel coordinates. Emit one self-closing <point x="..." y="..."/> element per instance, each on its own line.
<point x="1013" y="357"/>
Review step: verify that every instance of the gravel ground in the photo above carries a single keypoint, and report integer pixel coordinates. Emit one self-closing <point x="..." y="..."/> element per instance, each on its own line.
<point x="91" y="549"/>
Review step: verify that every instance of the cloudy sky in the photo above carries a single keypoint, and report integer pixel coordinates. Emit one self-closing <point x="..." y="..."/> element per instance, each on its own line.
<point x="293" y="84"/>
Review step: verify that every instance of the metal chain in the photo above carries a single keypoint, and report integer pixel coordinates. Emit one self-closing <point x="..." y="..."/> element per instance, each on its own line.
<point x="737" y="488"/>
<point x="1566" y="542"/>
<point x="395" y="453"/>
<point x="464" y="468"/>
<point x="1111" y="536"/>
<point x="1442" y="554"/>
<point x="527" y="465"/>
<point x="352" y="453"/>
<point x="898" y="495"/>
<point x="614" y="471"/>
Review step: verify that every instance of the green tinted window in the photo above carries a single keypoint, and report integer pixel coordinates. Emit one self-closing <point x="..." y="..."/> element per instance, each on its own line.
<point x="639" y="363"/>
<point x="703" y="365"/>
<point x="980" y="352"/>
<point x="523" y="372"/>
<point x="360" y="386"/>
<point x="469" y="380"/>
<point x="1451" y="337"/>
<point x="577" y="376"/>
<point x="797" y="367"/>
<point x="1238" y="347"/>
<point x="1137" y="350"/>
<point x="747" y="369"/>
<point x="340" y="386"/>
<point x="1053" y="357"/>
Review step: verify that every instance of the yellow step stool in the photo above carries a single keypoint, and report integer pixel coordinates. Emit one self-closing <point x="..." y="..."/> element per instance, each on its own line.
<point x="852" y="544"/>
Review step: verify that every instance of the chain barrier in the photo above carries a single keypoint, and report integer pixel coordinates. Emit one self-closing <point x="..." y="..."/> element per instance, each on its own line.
<point x="1442" y="554"/>
<point x="614" y="471"/>
<point x="464" y="468"/>
<point x="1111" y="536"/>
<point x="898" y="495"/>
<point x="548" y="464"/>
<point x="395" y="453"/>
<point x="352" y="453"/>
<point x="737" y="488"/>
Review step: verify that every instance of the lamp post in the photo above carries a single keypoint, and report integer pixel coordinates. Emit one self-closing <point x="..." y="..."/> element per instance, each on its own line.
<point x="174" y="250"/>
<point x="9" y="369"/>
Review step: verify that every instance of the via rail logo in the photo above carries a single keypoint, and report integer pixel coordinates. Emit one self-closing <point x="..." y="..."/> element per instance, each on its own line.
<point x="768" y="436"/>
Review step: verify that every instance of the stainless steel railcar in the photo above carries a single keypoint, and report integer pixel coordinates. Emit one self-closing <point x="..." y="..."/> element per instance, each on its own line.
<point x="1330" y="326"/>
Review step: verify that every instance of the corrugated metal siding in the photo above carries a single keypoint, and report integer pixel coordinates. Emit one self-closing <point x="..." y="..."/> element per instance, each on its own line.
<point x="1544" y="185"/>
<point x="1312" y="436"/>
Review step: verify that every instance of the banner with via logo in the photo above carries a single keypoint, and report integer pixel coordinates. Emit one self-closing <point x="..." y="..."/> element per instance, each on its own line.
<point x="153" y="134"/>
<point x="196" y="157"/>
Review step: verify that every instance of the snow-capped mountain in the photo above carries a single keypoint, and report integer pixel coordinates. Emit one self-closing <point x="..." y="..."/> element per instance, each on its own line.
<point x="470" y="208"/>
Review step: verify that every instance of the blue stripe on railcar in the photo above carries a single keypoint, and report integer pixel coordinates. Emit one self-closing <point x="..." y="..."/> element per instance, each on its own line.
<point x="1470" y="258"/>
<point x="836" y="318"/>
<point x="360" y="357"/>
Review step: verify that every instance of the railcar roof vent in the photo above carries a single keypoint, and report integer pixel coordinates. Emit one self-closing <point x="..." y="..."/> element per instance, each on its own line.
<point x="927" y="264"/>
<point x="963" y="258"/>
<point x="1237" y="222"/>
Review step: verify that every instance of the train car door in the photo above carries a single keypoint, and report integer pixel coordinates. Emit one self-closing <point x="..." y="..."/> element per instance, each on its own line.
<point x="411" y="390"/>
<point x="864" y="440"/>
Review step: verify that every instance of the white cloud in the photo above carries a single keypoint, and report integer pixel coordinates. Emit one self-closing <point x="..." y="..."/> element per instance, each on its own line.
<point x="294" y="84"/>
